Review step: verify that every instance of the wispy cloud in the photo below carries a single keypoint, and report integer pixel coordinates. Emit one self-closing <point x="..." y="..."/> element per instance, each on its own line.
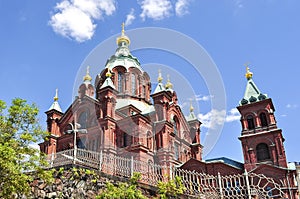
<point x="291" y="106"/>
<point x="238" y="3"/>
<point x="215" y="118"/>
<point x="181" y="7"/>
<point x="155" y="9"/>
<point x="74" y="19"/>
<point x="130" y="17"/>
<point x="203" y="97"/>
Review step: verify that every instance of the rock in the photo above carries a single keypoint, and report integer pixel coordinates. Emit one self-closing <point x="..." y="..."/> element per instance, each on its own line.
<point x="81" y="184"/>
<point x="42" y="194"/>
<point x="34" y="183"/>
<point x="90" y="194"/>
<point x="42" y="186"/>
<point x="59" y="188"/>
<point x="57" y="181"/>
<point x="52" y="195"/>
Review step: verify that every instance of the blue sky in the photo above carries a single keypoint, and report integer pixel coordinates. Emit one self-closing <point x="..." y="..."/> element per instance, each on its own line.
<point x="44" y="45"/>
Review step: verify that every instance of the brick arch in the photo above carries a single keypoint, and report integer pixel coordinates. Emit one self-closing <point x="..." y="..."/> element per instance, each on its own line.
<point x="119" y="78"/>
<point x="264" y="118"/>
<point x="250" y="121"/>
<point x="266" y="140"/>
<point x="263" y="152"/>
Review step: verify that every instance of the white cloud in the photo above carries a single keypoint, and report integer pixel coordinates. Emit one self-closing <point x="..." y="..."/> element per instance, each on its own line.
<point x="130" y="17"/>
<point x="216" y="118"/>
<point x="212" y="118"/>
<point x="233" y="115"/>
<point x="74" y="19"/>
<point x="181" y="7"/>
<point x="155" y="9"/>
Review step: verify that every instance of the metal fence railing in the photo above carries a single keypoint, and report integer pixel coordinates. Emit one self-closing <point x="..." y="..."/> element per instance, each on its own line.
<point x="199" y="185"/>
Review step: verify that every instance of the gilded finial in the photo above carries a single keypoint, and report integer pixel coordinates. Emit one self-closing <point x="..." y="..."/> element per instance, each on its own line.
<point x="123" y="37"/>
<point x="191" y="107"/>
<point x="108" y="73"/>
<point x="248" y="73"/>
<point x="123" y="29"/>
<point x="159" y="79"/>
<point x="56" y="95"/>
<point x="87" y="75"/>
<point x="169" y="85"/>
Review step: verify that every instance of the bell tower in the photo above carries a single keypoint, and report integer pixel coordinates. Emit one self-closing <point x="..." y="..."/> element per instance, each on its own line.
<point x="262" y="140"/>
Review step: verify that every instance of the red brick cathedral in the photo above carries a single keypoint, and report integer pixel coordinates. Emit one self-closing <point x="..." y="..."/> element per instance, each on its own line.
<point x="120" y="115"/>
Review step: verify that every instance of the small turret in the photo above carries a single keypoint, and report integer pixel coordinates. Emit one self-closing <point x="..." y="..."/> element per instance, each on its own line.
<point x="86" y="88"/>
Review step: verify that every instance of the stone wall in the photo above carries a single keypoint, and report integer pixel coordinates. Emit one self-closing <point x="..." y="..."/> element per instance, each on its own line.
<point x="78" y="183"/>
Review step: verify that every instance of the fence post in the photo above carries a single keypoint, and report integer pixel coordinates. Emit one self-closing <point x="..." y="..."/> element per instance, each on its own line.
<point x="170" y="172"/>
<point x="131" y="166"/>
<point x="52" y="159"/>
<point x="220" y="184"/>
<point x="100" y="160"/>
<point x="247" y="184"/>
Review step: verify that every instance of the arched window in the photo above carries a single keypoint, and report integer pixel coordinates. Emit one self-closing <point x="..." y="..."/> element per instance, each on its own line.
<point x="143" y="92"/>
<point x="262" y="152"/>
<point x="133" y="84"/>
<point x="82" y="120"/>
<point x="250" y="122"/>
<point x="125" y="140"/>
<point x="149" y="140"/>
<point x="120" y="82"/>
<point x="263" y="119"/>
<point x="175" y="125"/>
<point x="176" y="151"/>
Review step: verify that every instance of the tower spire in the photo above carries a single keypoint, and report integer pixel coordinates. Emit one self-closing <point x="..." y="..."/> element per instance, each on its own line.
<point x="55" y="105"/>
<point x="252" y="93"/>
<point x="56" y="95"/>
<point x="192" y="114"/>
<point x="191" y="107"/>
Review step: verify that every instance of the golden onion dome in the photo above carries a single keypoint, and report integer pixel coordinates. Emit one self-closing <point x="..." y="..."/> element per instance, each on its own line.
<point x="169" y="85"/>
<point x="108" y="73"/>
<point x="248" y="74"/>
<point x="87" y="76"/>
<point x="123" y="37"/>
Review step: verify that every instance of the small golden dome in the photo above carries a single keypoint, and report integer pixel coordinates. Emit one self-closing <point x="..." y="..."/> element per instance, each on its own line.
<point x="169" y="85"/>
<point x="248" y="74"/>
<point x="56" y="95"/>
<point x="123" y="37"/>
<point x="87" y="77"/>
<point x="108" y="73"/>
<point x="159" y="79"/>
<point x="191" y="107"/>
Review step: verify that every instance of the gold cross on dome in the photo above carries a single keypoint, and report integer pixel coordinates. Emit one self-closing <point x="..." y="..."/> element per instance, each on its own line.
<point x="123" y="28"/>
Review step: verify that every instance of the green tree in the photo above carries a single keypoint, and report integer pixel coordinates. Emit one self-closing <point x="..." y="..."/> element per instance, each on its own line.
<point x="123" y="190"/>
<point x="20" y="162"/>
<point x="171" y="188"/>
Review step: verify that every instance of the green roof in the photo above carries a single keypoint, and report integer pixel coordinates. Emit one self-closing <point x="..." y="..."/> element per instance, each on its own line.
<point x="252" y="93"/>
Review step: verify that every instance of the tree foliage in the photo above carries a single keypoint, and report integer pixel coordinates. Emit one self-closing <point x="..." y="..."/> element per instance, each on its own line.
<point x="171" y="188"/>
<point x="123" y="190"/>
<point x="20" y="162"/>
